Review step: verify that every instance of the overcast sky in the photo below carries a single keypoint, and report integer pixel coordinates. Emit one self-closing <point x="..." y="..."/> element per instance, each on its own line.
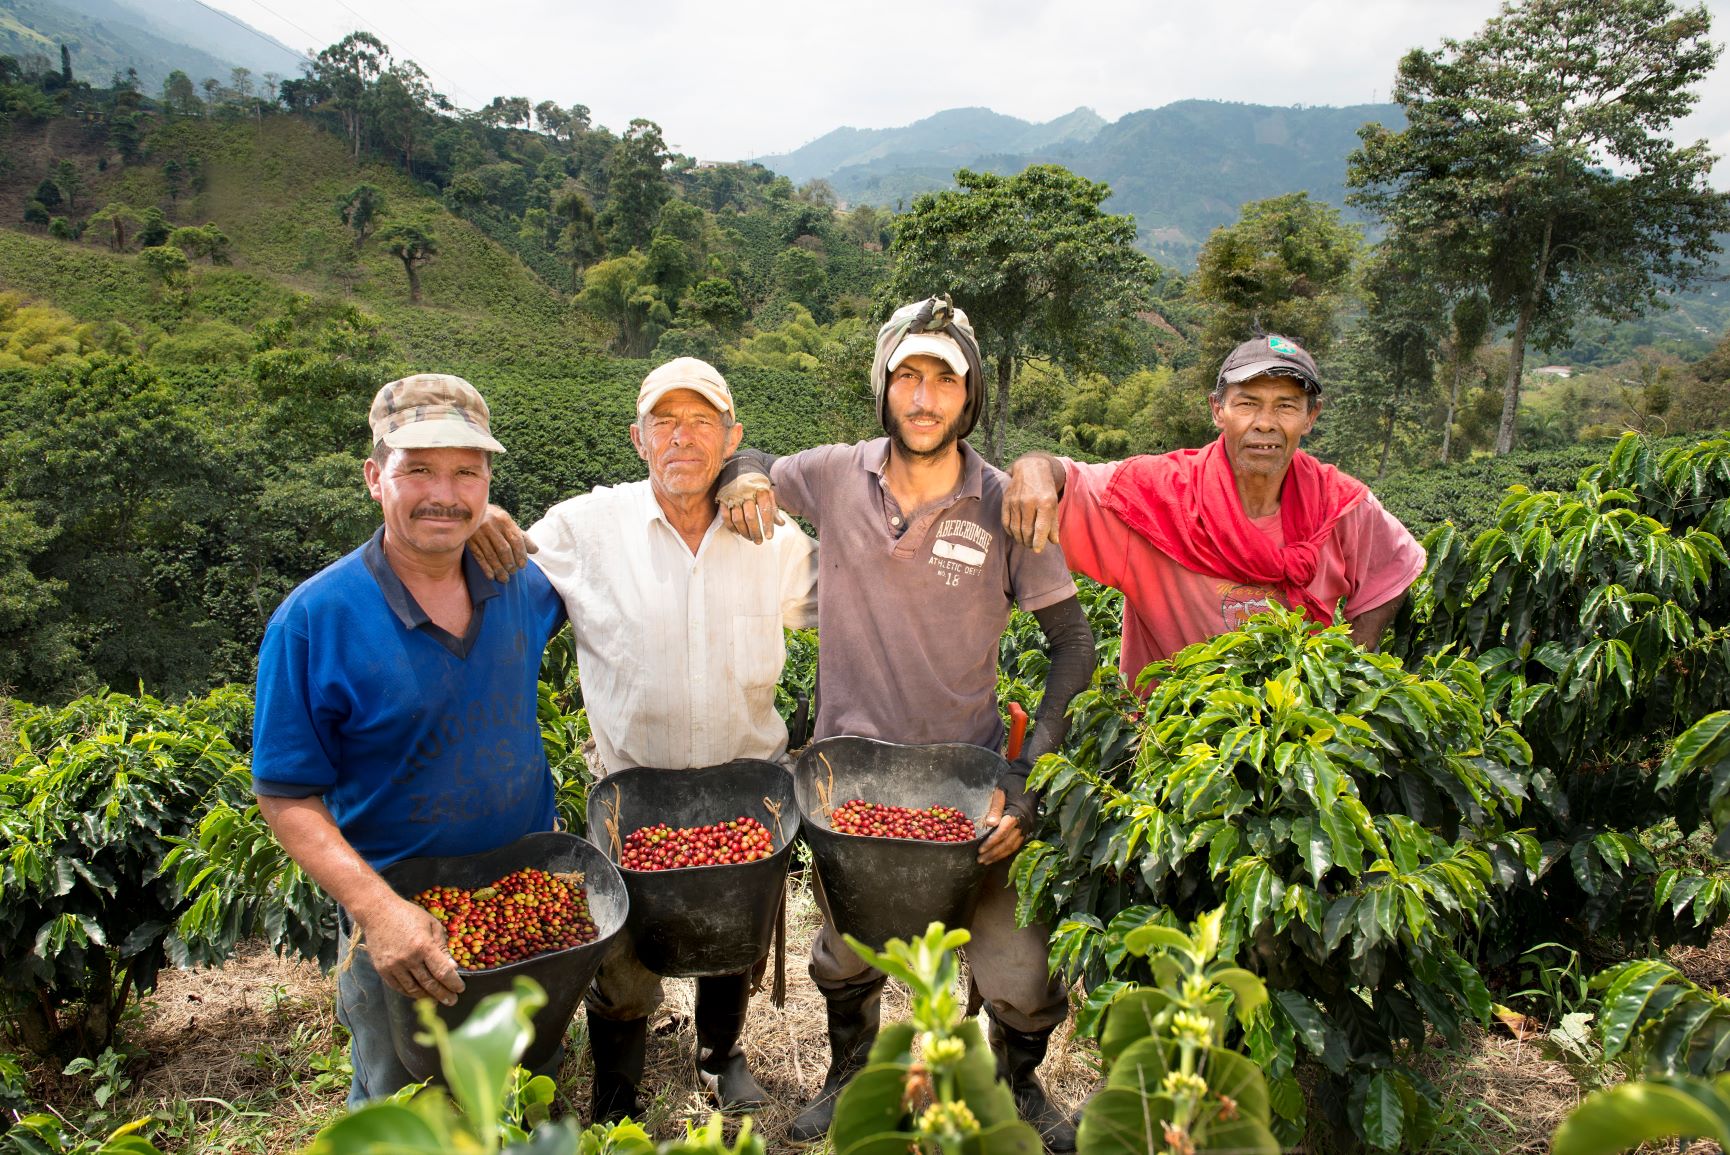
<point x="731" y="81"/>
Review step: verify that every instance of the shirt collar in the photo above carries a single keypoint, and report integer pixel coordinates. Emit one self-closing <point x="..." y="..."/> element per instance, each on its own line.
<point x="396" y="595"/>
<point x="876" y="460"/>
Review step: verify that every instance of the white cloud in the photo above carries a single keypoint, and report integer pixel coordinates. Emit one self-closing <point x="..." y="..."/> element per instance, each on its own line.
<point x="749" y="78"/>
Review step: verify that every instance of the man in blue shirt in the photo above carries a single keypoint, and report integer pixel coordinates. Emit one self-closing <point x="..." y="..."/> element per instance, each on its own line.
<point x="396" y="708"/>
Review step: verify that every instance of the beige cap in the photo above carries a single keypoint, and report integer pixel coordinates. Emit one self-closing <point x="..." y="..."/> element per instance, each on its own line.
<point x="939" y="345"/>
<point x="685" y="373"/>
<point x="432" y="411"/>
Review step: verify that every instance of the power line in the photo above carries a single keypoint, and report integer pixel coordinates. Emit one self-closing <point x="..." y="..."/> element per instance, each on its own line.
<point x="270" y="40"/>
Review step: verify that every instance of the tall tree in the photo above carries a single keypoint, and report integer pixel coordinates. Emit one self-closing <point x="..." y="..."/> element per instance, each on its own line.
<point x="414" y="247"/>
<point x="401" y="101"/>
<point x="347" y="72"/>
<point x="361" y="209"/>
<point x="1283" y="267"/>
<point x="1536" y="165"/>
<point x="580" y="238"/>
<point x="1040" y="268"/>
<point x="1468" y="325"/>
<point x="180" y="95"/>
<point x="637" y="186"/>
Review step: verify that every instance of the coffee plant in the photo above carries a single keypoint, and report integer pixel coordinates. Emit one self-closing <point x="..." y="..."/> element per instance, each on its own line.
<point x="1172" y="1085"/>
<point x="1610" y="603"/>
<point x="1351" y="819"/>
<point x="1647" y="1111"/>
<point x="89" y="807"/>
<point x="948" y="1100"/>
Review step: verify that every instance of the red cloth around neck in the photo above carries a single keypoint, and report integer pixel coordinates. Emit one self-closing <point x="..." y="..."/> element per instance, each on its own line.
<point x="1186" y="503"/>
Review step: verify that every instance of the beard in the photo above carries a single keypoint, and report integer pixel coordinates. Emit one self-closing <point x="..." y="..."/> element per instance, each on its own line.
<point x="950" y="435"/>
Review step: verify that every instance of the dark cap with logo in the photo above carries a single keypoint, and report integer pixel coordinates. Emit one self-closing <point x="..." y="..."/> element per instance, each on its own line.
<point x="1270" y="356"/>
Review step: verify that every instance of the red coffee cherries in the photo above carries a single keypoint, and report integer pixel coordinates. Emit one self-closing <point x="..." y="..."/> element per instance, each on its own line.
<point x="660" y="847"/>
<point x="874" y="820"/>
<point x="525" y="913"/>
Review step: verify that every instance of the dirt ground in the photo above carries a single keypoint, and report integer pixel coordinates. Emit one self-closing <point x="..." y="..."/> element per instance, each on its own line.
<point x="248" y="1058"/>
<point x="255" y="1037"/>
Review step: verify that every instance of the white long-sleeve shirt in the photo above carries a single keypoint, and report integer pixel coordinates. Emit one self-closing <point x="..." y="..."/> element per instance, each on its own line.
<point x="679" y="653"/>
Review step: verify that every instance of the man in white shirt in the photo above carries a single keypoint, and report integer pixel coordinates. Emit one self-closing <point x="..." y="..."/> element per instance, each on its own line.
<point x="678" y="628"/>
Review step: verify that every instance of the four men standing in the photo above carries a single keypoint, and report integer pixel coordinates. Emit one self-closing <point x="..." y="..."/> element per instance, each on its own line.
<point x="396" y="688"/>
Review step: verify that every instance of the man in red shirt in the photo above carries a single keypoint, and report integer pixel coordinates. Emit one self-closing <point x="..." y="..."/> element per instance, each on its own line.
<point x="1198" y="540"/>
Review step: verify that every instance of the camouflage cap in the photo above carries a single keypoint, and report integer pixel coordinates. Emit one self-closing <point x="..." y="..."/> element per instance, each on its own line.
<point x="1270" y="356"/>
<point x="432" y="411"/>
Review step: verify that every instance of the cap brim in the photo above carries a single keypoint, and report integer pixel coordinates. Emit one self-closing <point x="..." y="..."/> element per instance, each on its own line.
<point x="440" y="435"/>
<point x="647" y="401"/>
<point x="945" y="349"/>
<point x="1270" y="368"/>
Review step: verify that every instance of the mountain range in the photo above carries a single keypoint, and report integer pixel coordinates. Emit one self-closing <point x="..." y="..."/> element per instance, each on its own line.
<point x="1182" y="170"/>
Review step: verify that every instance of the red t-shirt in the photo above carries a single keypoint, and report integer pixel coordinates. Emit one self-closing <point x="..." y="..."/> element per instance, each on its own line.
<point x="1369" y="559"/>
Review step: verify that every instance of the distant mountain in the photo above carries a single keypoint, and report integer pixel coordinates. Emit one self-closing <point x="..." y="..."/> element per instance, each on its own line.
<point x="954" y="137"/>
<point x="154" y="37"/>
<point x="1181" y="170"/>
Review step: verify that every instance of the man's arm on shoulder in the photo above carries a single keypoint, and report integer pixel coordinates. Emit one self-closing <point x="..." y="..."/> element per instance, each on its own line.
<point x="1030" y="503"/>
<point x="500" y="545"/>
<point x="406" y="943"/>
<point x="754" y="486"/>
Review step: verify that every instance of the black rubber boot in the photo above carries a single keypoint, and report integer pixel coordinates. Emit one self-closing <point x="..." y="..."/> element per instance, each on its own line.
<point x="1018" y="1059"/>
<point x="721" y="1004"/>
<point x="617" y="1048"/>
<point x="854" y="1014"/>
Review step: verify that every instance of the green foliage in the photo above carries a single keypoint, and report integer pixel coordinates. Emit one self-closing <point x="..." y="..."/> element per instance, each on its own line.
<point x="1656" y="1021"/>
<point x="1285" y="265"/>
<point x="1606" y="604"/>
<point x="1172" y="1084"/>
<point x="1536" y="166"/>
<point x="1353" y="819"/>
<point x="1643" y="1111"/>
<point x="949" y="1100"/>
<point x="497" y="1108"/>
<point x="94" y="796"/>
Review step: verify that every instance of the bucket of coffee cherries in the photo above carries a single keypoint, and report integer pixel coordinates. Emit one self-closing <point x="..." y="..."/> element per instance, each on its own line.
<point x="894" y="831"/>
<point x="546" y="907"/>
<point x="704" y="856"/>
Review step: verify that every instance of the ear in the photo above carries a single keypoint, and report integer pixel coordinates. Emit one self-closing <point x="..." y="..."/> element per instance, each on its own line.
<point x="1218" y="411"/>
<point x="734" y="437"/>
<point x="637" y="441"/>
<point x="374" y="479"/>
<point x="1315" y="412"/>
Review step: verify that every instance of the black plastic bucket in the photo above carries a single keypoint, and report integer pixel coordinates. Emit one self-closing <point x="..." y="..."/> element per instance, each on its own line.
<point x="883" y="888"/>
<point x="564" y="974"/>
<point x="700" y="920"/>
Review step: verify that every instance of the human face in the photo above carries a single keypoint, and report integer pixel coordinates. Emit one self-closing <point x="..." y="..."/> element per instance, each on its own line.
<point x="1263" y="420"/>
<point x="925" y="402"/>
<point x="433" y="499"/>
<point x="684" y="440"/>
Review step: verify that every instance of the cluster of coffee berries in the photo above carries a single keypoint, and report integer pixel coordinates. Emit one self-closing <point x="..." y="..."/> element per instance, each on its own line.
<point x="660" y="847"/>
<point x="525" y="913"/>
<point x="872" y="819"/>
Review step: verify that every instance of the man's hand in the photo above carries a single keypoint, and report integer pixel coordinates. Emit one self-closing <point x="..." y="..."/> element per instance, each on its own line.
<point x="407" y="946"/>
<point x="1030" y="502"/>
<point x="1006" y="833"/>
<point x="748" y="506"/>
<point x="500" y="546"/>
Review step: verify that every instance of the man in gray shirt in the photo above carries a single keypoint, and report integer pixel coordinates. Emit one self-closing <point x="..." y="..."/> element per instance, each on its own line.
<point x="916" y="585"/>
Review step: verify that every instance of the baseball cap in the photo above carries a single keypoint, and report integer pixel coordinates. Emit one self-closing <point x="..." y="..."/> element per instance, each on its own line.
<point x="432" y="411"/>
<point x="698" y="376"/>
<point x="1273" y="356"/>
<point x="939" y="345"/>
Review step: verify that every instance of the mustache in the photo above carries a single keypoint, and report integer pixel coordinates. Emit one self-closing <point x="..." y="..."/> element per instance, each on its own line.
<point x="433" y="510"/>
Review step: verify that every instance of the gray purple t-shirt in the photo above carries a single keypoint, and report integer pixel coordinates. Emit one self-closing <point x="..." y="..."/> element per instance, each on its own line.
<point x="911" y="604"/>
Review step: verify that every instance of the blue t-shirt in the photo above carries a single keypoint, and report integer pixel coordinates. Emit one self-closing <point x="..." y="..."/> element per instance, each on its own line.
<point x="419" y="742"/>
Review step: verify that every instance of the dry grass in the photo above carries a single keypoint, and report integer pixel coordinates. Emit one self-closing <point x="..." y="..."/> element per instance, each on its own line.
<point x="228" y="1055"/>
